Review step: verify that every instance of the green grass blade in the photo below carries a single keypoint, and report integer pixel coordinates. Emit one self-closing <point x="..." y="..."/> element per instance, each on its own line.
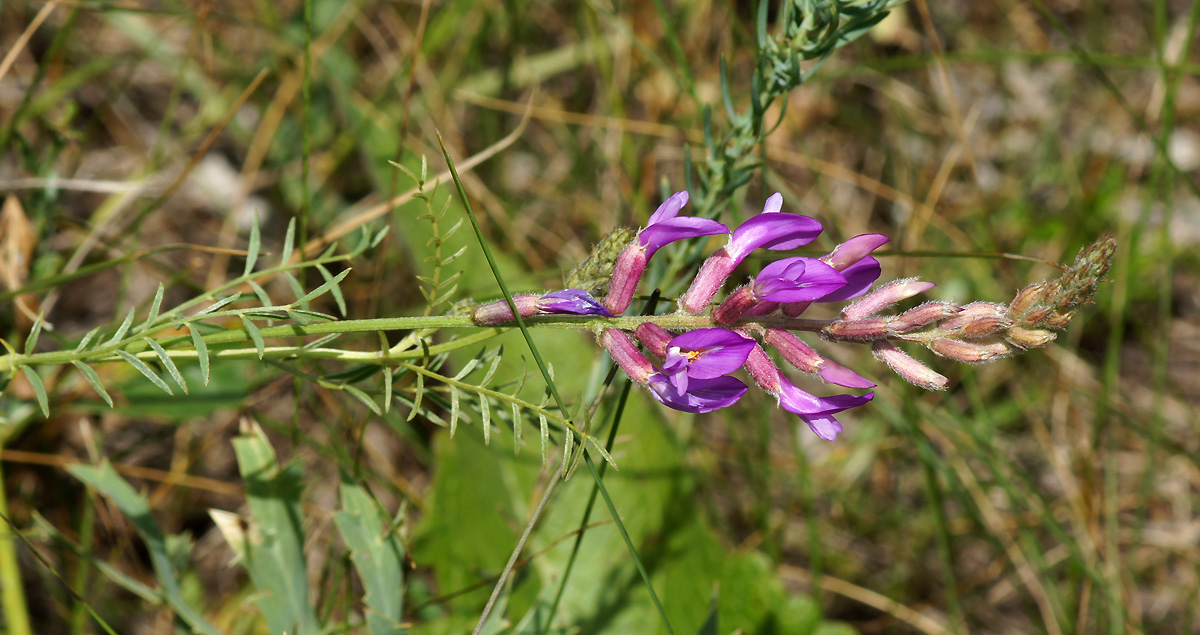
<point x="134" y="505"/>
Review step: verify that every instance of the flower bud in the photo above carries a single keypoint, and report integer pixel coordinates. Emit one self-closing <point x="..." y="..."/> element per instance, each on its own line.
<point x="969" y="352"/>
<point x="1029" y="338"/>
<point x="987" y="313"/>
<point x="1059" y="320"/>
<point x="883" y="297"/>
<point x="498" y="312"/>
<point x="923" y="315"/>
<point x="909" y="369"/>
<point x="858" y="330"/>
<point x="1027" y="298"/>
<point x="795" y="309"/>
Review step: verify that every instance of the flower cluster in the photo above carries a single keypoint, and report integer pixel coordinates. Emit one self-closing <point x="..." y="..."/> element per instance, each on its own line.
<point x="695" y="374"/>
<point x="695" y="371"/>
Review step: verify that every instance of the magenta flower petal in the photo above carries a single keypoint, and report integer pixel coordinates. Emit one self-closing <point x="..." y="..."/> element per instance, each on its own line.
<point x="797" y="280"/>
<point x="859" y="278"/>
<point x="571" y="302"/>
<point x="818" y="412"/>
<point x="703" y="395"/>
<point x="773" y="230"/>
<point x="669" y="208"/>
<point x="661" y="233"/>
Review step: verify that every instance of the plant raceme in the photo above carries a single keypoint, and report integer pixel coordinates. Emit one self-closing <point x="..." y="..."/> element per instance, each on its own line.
<point x="697" y="365"/>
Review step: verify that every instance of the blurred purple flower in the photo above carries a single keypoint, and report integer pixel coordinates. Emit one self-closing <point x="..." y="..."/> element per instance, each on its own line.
<point x="771" y="229"/>
<point x="665" y="227"/>
<point x="704" y="354"/>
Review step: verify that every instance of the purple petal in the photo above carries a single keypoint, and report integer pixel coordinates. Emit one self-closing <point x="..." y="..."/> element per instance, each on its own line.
<point x="818" y="412"/>
<point x="572" y="302"/>
<point x="662" y="233"/>
<point x="859" y="277"/>
<point x="797" y="280"/>
<point x="837" y="374"/>
<point x="716" y="352"/>
<point x="773" y="230"/>
<point x="703" y="395"/>
<point x="670" y="208"/>
<point x="774" y="203"/>
<point x="824" y="426"/>
<point x="799" y="402"/>
<point x="853" y="250"/>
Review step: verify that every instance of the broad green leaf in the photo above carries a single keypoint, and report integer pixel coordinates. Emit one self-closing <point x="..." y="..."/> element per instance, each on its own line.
<point x="378" y="555"/>
<point x="105" y="480"/>
<point x="274" y="546"/>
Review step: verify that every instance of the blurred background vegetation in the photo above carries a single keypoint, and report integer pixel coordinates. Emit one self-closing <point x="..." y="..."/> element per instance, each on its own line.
<point x="1054" y="492"/>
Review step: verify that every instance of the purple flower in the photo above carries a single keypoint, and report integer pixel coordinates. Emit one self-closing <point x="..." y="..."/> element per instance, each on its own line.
<point x="704" y="354"/>
<point x="771" y="229"/>
<point x="572" y="302"/>
<point x="665" y="227"/>
<point x="817" y="412"/>
<point x="859" y="269"/>
<point x="789" y="280"/>
<point x="567" y="301"/>
<point x="702" y="395"/>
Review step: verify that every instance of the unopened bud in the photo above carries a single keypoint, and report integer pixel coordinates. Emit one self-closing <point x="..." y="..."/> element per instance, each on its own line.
<point x="742" y="303"/>
<point x="1058" y="320"/>
<point x="654" y="338"/>
<point x="969" y="352"/>
<point x="858" y="330"/>
<point x="909" y="369"/>
<point x="885" y="296"/>
<point x="1027" y="298"/>
<point x="974" y="311"/>
<point x="921" y="316"/>
<point x="1029" y="338"/>
<point x="498" y="312"/>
